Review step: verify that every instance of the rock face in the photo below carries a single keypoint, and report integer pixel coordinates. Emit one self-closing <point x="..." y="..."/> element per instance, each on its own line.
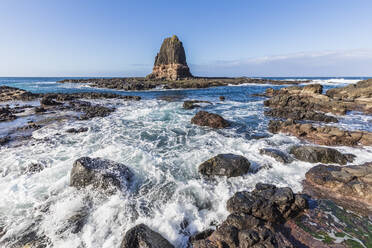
<point x="256" y="219"/>
<point x="170" y="62"/>
<point x="277" y="155"/>
<point x="326" y="135"/>
<point x="324" y="155"/>
<point x="229" y="165"/>
<point x="349" y="186"/>
<point x="100" y="173"/>
<point x="203" y="118"/>
<point x="142" y="236"/>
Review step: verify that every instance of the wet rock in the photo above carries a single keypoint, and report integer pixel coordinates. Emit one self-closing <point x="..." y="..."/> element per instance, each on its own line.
<point x="191" y="104"/>
<point x="349" y="186"/>
<point x="49" y="101"/>
<point x="170" y="62"/>
<point x="39" y="110"/>
<point x="12" y="94"/>
<point x="324" y="135"/>
<point x="256" y="219"/>
<point x="100" y="173"/>
<point x="222" y="98"/>
<point x="277" y="155"/>
<point x="361" y="91"/>
<point x="299" y="114"/>
<point x="77" y="130"/>
<point x="229" y="165"/>
<point x="6" y="115"/>
<point x="141" y="236"/>
<point x="203" y="118"/>
<point x="4" y="140"/>
<point x="34" y="168"/>
<point x="316" y="154"/>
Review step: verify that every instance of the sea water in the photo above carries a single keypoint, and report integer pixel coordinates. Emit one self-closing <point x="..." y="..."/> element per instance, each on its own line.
<point x="156" y="140"/>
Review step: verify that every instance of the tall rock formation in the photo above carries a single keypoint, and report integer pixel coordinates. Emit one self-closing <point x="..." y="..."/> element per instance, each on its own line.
<point x="170" y="62"/>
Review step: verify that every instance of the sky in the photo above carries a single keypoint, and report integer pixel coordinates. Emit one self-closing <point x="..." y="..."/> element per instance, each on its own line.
<point x="221" y="38"/>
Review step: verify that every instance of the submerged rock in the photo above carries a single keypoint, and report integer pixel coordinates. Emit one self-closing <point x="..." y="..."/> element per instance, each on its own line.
<point x="316" y="154"/>
<point x="277" y="155"/>
<point x="203" y="118"/>
<point x="256" y="219"/>
<point x="349" y="186"/>
<point x="77" y="130"/>
<point x="229" y="165"/>
<point x="100" y="173"/>
<point x="141" y="236"/>
<point x="170" y="62"/>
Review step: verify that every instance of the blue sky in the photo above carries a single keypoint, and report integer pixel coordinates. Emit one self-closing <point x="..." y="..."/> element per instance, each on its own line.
<point x="221" y="38"/>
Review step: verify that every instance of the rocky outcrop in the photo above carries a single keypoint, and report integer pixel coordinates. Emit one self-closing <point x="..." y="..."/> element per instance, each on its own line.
<point x="349" y="186"/>
<point x="203" y="118"/>
<point x="256" y="219"/>
<point x="297" y="113"/>
<point x="361" y="91"/>
<point x="141" y="236"/>
<point x="316" y="154"/>
<point x="6" y="115"/>
<point x="170" y="62"/>
<point x="12" y="94"/>
<point x="191" y="104"/>
<point x="277" y="155"/>
<point x="229" y="165"/>
<point x="326" y="135"/>
<point x="100" y="173"/>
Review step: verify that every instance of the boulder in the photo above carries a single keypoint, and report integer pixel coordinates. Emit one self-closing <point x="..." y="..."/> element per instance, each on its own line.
<point x="229" y="165"/>
<point x="277" y="155"/>
<point x="316" y="154"/>
<point x="141" y="236"/>
<point x="100" y="173"/>
<point x="349" y="186"/>
<point x="203" y="118"/>
<point x="170" y="62"/>
<point x="323" y="135"/>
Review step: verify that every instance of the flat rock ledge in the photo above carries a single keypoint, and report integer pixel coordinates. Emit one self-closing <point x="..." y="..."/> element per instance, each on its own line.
<point x="203" y="118"/>
<point x="256" y="219"/>
<point x="229" y="165"/>
<point x="100" y="173"/>
<point x="316" y="154"/>
<point x="326" y="135"/>
<point x="349" y="186"/>
<point x="141" y="236"/>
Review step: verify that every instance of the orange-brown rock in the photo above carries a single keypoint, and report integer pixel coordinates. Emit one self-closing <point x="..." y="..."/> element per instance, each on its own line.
<point x="326" y="135"/>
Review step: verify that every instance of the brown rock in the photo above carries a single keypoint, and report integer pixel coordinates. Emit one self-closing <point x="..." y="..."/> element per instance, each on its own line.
<point x="203" y="118"/>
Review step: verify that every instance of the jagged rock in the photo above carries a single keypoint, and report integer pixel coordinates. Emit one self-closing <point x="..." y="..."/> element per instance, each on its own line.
<point x="141" y="236"/>
<point x="229" y="165"/>
<point x="203" y="118"/>
<point x="49" y="101"/>
<point x="11" y="94"/>
<point x="100" y="173"/>
<point x="314" y="154"/>
<point x="277" y="155"/>
<point x="256" y="219"/>
<point x="6" y="115"/>
<point x="349" y="186"/>
<point x="34" y="168"/>
<point x="296" y="113"/>
<point x="170" y="62"/>
<point x="359" y="91"/>
<point x="191" y="104"/>
<point x="77" y="130"/>
<point x="326" y="135"/>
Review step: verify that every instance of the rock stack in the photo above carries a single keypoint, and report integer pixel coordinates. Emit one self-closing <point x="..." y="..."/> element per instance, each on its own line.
<point x="170" y="62"/>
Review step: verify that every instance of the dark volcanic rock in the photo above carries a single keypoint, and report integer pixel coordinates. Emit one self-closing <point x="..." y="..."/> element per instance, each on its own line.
<point x="314" y="154"/>
<point x="349" y="186"/>
<point x="277" y="155"/>
<point x="191" y="104"/>
<point x="203" y="118"/>
<point x="100" y="173"/>
<point x="170" y="62"/>
<point x="141" y="236"/>
<point x="229" y="165"/>
<point x="256" y="219"/>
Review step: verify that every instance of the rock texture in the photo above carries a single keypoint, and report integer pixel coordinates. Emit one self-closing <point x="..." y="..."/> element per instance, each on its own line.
<point x="229" y="165"/>
<point x="314" y="154"/>
<point x="11" y="93"/>
<point x="100" y="173"/>
<point x="170" y="62"/>
<point x="191" y="104"/>
<point x="277" y="155"/>
<point x="349" y="186"/>
<point x="141" y="236"/>
<point x="256" y="219"/>
<point x="203" y="118"/>
<point x="326" y="135"/>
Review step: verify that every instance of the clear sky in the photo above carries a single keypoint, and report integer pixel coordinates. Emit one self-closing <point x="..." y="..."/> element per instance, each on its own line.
<point x="221" y="38"/>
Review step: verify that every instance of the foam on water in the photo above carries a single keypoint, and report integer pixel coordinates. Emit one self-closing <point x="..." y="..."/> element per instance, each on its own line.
<point x="156" y="140"/>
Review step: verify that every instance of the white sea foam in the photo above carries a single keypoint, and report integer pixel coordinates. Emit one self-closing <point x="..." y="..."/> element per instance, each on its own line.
<point x="157" y="142"/>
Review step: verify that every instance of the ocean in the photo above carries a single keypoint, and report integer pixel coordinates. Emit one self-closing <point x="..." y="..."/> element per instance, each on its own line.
<point x="156" y="140"/>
